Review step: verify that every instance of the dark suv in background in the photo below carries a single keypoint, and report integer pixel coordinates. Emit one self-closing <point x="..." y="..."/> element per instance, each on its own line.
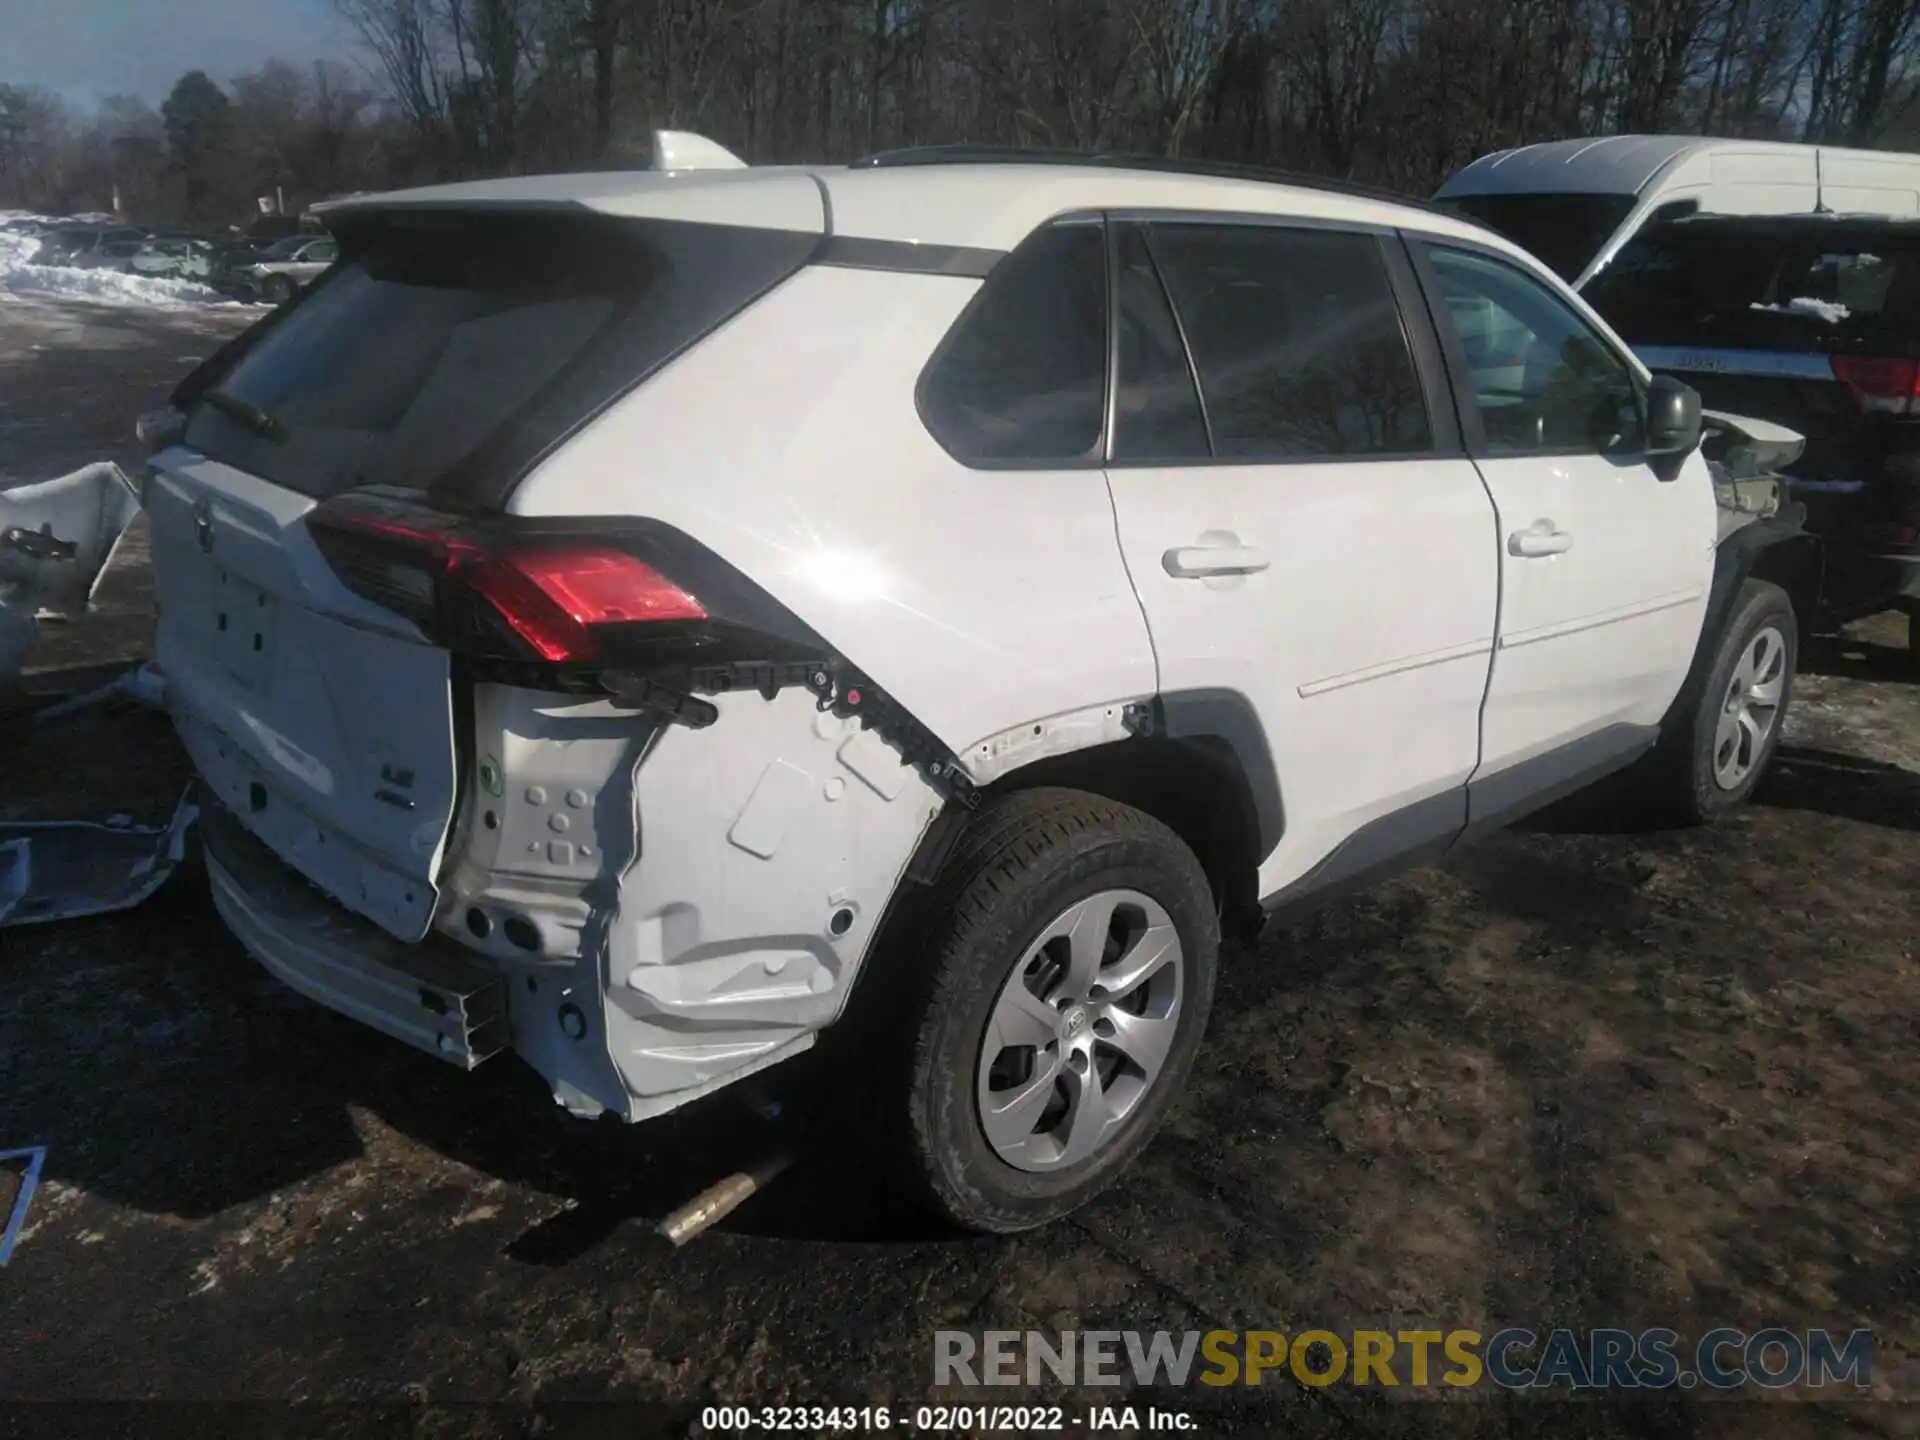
<point x="1813" y="322"/>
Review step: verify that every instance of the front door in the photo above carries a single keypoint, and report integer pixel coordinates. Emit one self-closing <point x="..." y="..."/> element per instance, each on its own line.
<point x="1605" y="563"/>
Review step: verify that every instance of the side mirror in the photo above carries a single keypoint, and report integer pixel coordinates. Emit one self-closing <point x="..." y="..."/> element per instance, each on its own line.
<point x="1673" y="418"/>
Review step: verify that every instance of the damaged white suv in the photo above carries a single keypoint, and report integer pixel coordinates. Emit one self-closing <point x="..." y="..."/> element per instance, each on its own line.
<point x="631" y="619"/>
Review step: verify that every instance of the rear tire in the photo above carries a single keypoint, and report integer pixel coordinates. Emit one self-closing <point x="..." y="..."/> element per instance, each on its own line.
<point x="1729" y="721"/>
<point x="277" y="289"/>
<point x="1070" y="948"/>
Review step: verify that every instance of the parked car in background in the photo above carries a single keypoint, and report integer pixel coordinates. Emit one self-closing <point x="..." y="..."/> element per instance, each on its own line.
<point x="173" y="257"/>
<point x="287" y="265"/>
<point x="1813" y="322"/>
<point x="1574" y="203"/>
<point x="110" y="254"/>
<point x="87" y="246"/>
<point x="1725" y="261"/>
<point x="629" y="620"/>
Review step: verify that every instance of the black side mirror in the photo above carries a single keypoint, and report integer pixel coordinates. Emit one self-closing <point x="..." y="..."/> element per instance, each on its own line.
<point x="1673" y="418"/>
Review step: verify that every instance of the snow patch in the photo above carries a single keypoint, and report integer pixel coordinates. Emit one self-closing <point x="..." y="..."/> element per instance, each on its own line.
<point x="19" y="275"/>
<point x="16" y="250"/>
<point x="1826" y="310"/>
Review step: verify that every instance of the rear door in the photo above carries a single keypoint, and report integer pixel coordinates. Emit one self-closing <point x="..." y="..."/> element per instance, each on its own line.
<point x="442" y="357"/>
<point x="1304" y="528"/>
<point x="1604" y="563"/>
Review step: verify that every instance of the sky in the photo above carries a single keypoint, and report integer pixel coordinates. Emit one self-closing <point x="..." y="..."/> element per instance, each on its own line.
<point x="84" y="50"/>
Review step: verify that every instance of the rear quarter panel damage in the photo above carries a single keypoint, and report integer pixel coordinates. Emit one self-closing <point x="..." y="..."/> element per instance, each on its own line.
<point x="980" y="601"/>
<point x="702" y="898"/>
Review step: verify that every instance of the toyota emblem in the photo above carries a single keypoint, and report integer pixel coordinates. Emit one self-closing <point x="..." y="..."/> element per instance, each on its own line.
<point x="203" y="524"/>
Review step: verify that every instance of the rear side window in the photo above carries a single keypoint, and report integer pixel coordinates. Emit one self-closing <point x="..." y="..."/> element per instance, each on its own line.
<point x="448" y="353"/>
<point x="1298" y="341"/>
<point x="1022" y="376"/>
<point x="1156" y="412"/>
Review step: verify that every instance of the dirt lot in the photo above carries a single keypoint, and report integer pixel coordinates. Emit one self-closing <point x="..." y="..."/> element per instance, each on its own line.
<point x="1570" y="1078"/>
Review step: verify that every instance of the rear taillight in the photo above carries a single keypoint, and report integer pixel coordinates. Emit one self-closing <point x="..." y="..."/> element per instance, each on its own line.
<point x="555" y="597"/>
<point x="489" y="588"/>
<point x="1889" y="386"/>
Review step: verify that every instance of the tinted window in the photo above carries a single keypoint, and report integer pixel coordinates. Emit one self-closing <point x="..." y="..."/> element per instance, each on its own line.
<point x="456" y="349"/>
<point x="1563" y="231"/>
<point x="1764" y="285"/>
<point x="1544" y="379"/>
<point x="321" y="252"/>
<point x="1023" y="374"/>
<point x="1156" y="413"/>
<point x="1297" y="339"/>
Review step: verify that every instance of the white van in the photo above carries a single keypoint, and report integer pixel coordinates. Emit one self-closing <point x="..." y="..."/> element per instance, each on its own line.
<point x="1574" y="203"/>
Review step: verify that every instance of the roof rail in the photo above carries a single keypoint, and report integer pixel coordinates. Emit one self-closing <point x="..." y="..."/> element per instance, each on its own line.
<point x="1219" y="169"/>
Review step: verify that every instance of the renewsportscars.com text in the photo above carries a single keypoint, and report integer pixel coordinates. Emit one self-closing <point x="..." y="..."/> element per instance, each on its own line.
<point x="1513" y="1358"/>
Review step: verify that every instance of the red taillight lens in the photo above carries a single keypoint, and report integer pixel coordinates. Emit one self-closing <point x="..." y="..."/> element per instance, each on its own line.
<point x="469" y="586"/>
<point x="554" y="596"/>
<point x="1887" y="385"/>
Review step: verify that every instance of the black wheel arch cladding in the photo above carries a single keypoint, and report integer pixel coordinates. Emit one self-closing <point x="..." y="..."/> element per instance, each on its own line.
<point x="1776" y="549"/>
<point x="1229" y="717"/>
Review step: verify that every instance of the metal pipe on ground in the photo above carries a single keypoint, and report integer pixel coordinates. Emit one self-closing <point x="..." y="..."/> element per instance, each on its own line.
<point x="721" y="1199"/>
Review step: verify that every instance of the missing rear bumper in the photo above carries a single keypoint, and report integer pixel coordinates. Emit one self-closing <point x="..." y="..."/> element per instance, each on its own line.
<point x="429" y="995"/>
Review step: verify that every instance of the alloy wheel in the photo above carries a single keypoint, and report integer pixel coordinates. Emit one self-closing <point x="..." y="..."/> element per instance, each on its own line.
<point x="1751" y="708"/>
<point x="1080" y="1032"/>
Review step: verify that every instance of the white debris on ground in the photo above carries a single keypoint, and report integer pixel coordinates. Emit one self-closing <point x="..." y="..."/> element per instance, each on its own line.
<point x="57" y="538"/>
<point x="20" y="275"/>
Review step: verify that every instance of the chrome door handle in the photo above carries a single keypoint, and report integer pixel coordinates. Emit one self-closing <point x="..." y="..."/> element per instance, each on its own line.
<point x="1539" y="539"/>
<point x="1194" y="562"/>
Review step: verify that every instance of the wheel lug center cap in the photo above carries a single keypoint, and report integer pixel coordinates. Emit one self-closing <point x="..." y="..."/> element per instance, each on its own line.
<point x="1073" y="1022"/>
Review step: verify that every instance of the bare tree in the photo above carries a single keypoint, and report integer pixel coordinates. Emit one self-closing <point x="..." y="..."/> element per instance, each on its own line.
<point x="1396" y="91"/>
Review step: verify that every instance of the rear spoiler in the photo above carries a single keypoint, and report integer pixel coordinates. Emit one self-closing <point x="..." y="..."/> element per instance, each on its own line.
<point x="674" y="152"/>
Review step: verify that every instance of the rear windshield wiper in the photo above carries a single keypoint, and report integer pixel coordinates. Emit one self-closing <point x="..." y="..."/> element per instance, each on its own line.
<point x="256" y="418"/>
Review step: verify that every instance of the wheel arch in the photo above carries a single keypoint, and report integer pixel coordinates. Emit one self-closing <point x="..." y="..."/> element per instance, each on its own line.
<point x="1777" y="550"/>
<point x="1197" y="761"/>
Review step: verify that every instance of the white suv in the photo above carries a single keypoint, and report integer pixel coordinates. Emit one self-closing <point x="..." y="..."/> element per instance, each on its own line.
<point x="638" y="620"/>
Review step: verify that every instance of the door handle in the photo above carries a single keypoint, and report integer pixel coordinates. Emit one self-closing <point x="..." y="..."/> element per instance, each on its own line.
<point x="1539" y="539"/>
<point x="1194" y="562"/>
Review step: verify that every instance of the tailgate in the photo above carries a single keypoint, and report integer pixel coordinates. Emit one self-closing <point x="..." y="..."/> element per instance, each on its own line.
<point x="321" y="722"/>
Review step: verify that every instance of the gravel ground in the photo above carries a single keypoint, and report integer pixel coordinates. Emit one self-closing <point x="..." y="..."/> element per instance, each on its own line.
<point x="1570" y="1078"/>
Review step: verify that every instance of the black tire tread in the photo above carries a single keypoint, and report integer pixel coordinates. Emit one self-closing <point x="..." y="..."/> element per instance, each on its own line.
<point x="1011" y="837"/>
<point x="1681" y="790"/>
